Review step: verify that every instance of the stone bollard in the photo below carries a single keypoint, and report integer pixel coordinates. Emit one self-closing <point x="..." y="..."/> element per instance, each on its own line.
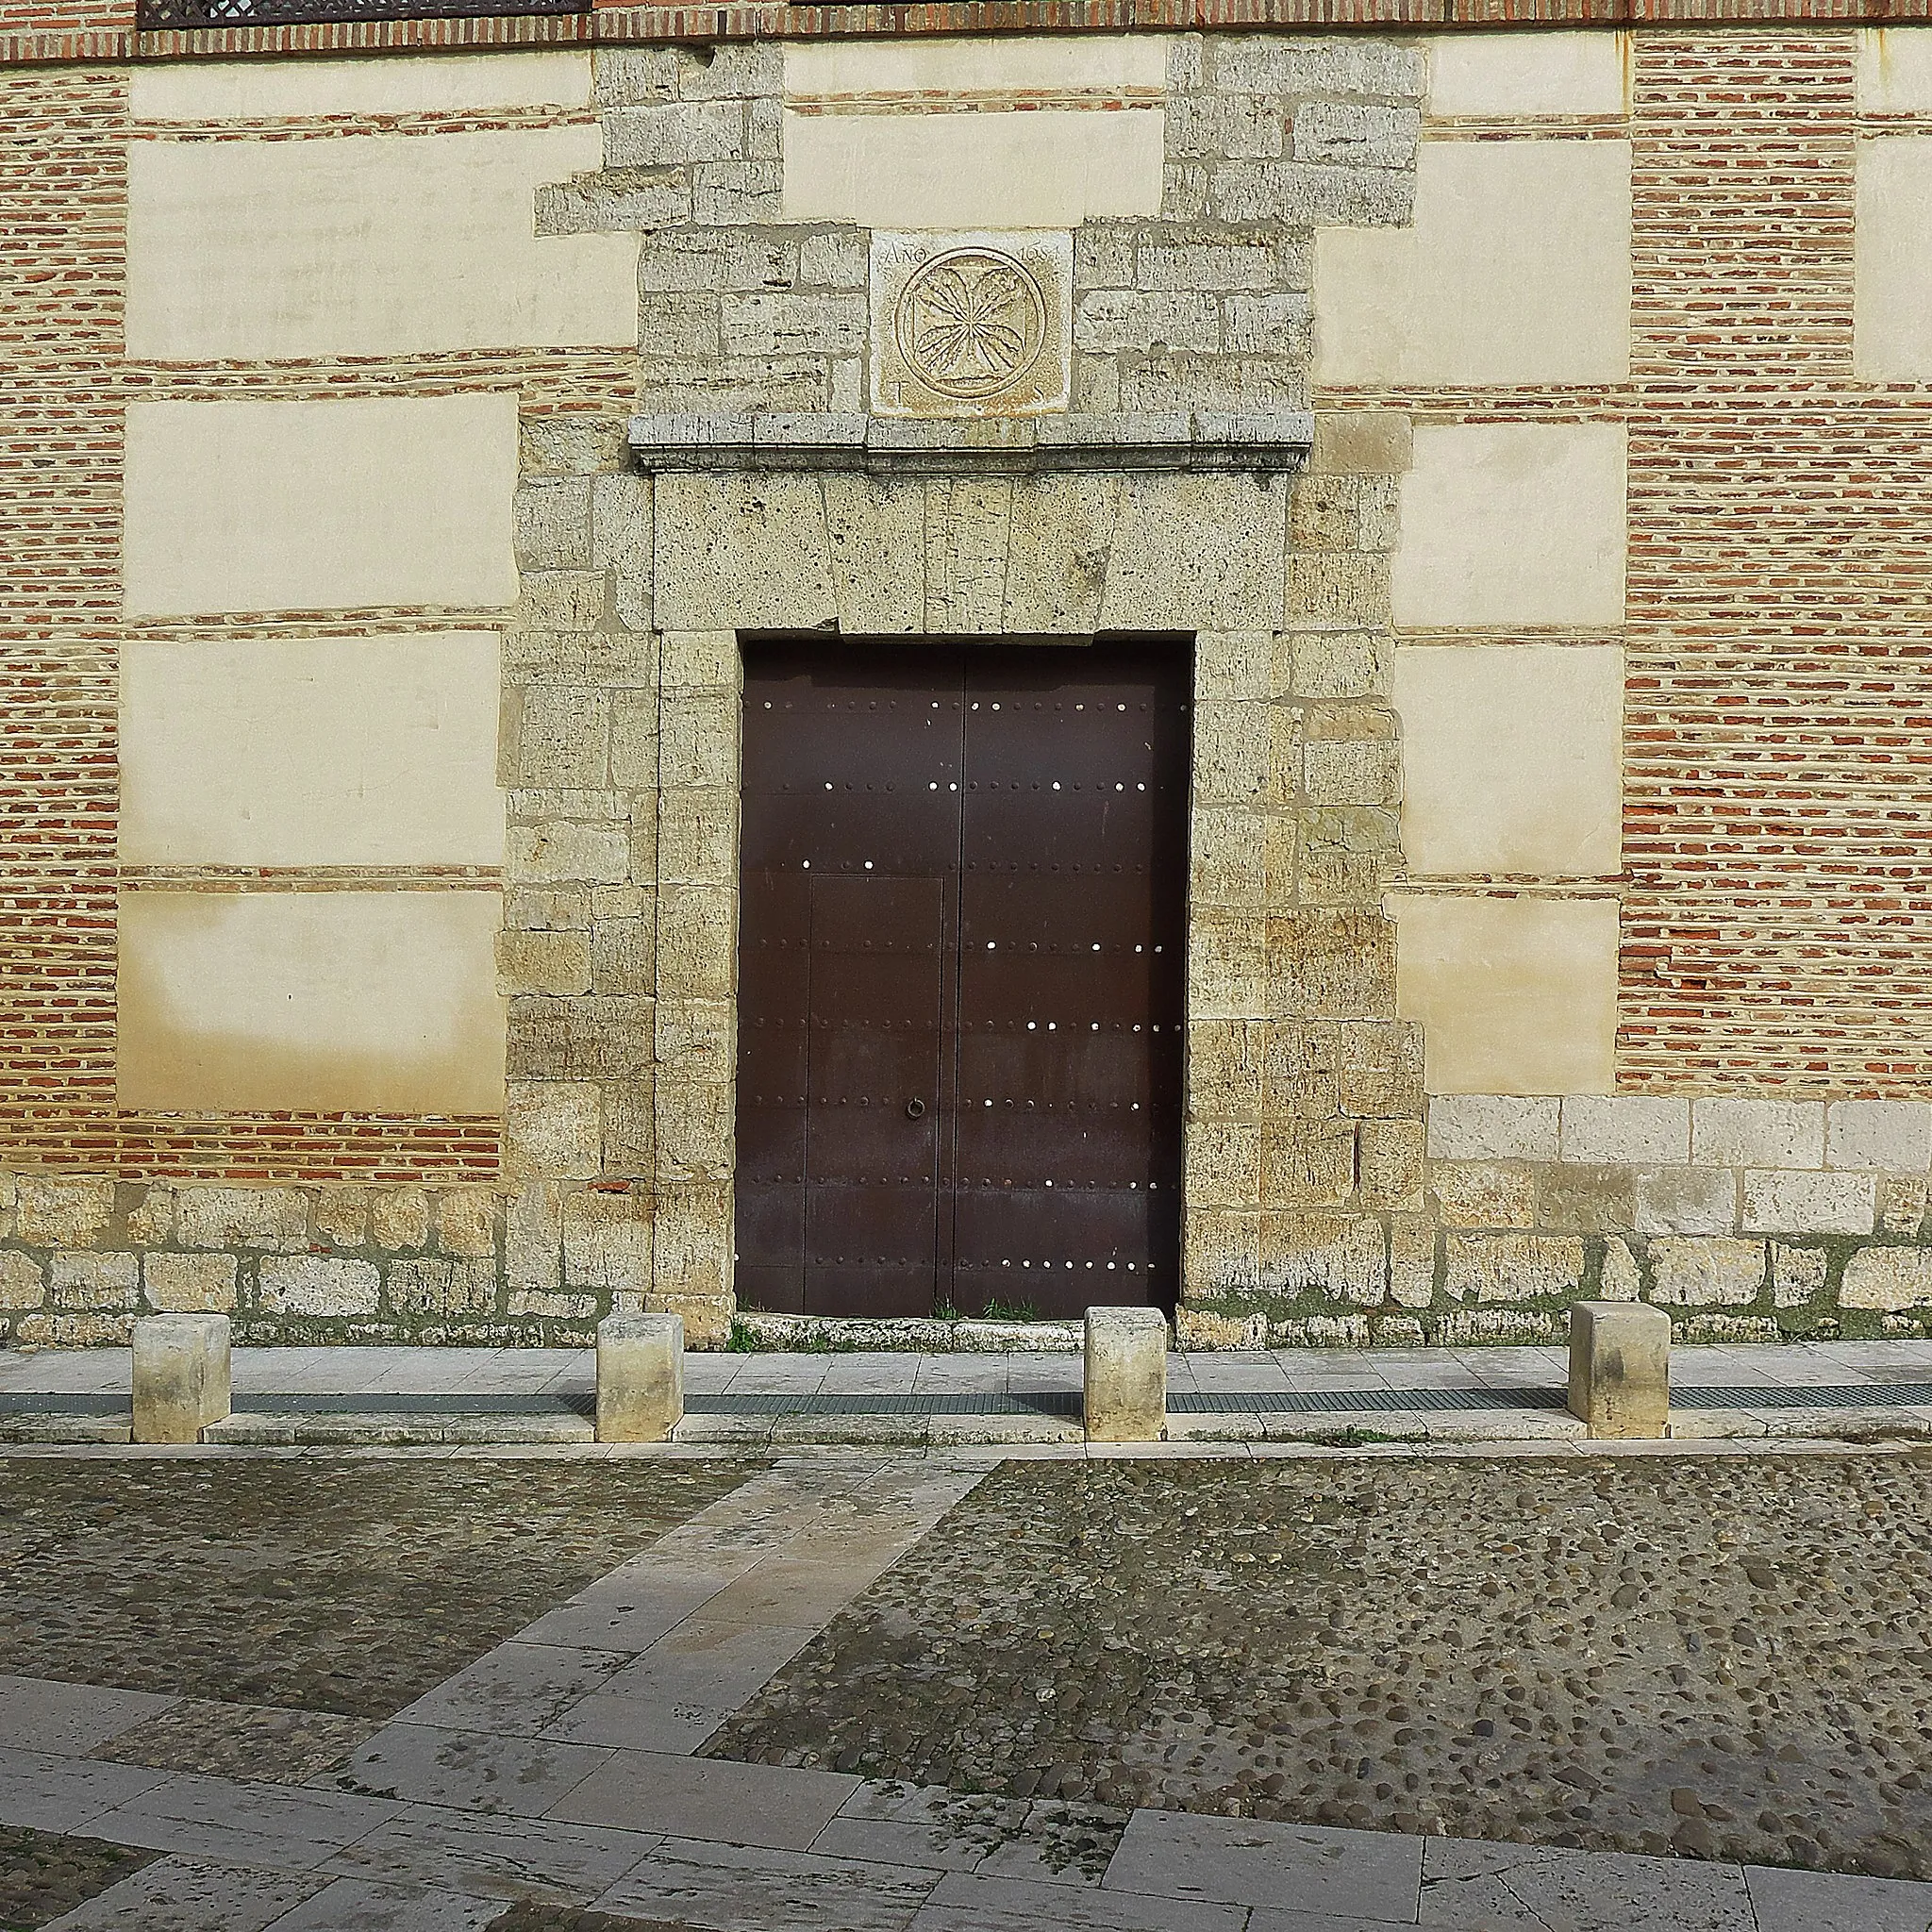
<point x="1619" y="1368"/>
<point x="180" y="1377"/>
<point x="639" y="1377"/>
<point x="1126" y="1375"/>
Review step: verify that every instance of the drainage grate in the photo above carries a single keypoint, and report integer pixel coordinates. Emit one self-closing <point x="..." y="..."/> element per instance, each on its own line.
<point x="1046" y="1402"/>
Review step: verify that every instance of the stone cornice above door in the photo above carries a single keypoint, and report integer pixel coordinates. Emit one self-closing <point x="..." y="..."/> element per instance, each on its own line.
<point x="1212" y="442"/>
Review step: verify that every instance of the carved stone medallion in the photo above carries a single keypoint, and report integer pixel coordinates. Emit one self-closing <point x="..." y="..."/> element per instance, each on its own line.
<point x="970" y="325"/>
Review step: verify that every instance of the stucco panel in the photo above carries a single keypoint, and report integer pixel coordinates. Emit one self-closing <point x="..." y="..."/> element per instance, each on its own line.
<point x="272" y="89"/>
<point x="320" y="506"/>
<point x="310" y="1002"/>
<point x="1512" y="522"/>
<point x="1511" y="757"/>
<point x="1533" y="73"/>
<point x="1517" y="270"/>
<point x="1892" y="298"/>
<point x="1028" y="63"/>
<point x="312" y="751"/>
<point x="1513" y="996"/>
<point x="366" y="245"/>
<point x="1894" y="70"/>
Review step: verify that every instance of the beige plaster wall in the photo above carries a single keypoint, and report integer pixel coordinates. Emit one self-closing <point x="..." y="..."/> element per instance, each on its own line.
<point x="1040" y="170"/>
<point x="312" y="751"/>
<point x="1509" y="74"/>
<point x="1517" y="270"/>
<point x="1097" y="63"/>
<point x="275" y="90"/>
<point x="320" y="506"/>
<point x="1895" y="70"/>
<point x="1511" y="759"/>
<point x="1893" y="312"/>
<point x="366" y="245"/>
<point x="318" y="1001"/>
<point x="1513" y="996"/>
<point x="1512" y="523"/>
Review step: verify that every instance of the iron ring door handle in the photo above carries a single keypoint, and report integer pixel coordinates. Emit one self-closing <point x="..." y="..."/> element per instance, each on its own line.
<point x="914" y="1108"/>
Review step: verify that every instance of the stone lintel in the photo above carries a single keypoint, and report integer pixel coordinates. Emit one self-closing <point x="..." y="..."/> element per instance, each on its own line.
<point x="1214" y="442"/>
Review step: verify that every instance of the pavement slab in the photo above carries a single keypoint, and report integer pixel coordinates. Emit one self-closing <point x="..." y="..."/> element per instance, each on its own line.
<point x="732" y="1889"/>
<point x="353" y="1905"/>
<point x="185" y="1894"/>
<point x="1252" y="1862"/>
<point x="733" y="1804"/>
<point x="1828" y="1901"/>
<point x="244" y="1823"/>
<point x="1489" y="1887"/>
<point x="475" y="1770"/>
<point x="37" y="1714"/>
<point x="446" y="1850"/>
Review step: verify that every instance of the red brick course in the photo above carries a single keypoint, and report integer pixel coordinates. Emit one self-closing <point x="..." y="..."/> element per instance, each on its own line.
<point x="62" y="391"/>
<point x="1778" y="773"/>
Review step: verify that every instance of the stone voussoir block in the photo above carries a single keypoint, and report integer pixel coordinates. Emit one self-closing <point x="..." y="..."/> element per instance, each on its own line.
<point x="1620" y="1369"/>
<point x="181" y="1377"/>
<point x="1125" y="1376"/>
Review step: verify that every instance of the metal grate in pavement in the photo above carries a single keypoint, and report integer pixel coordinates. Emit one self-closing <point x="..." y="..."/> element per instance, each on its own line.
<point x="1050" y="1401"/>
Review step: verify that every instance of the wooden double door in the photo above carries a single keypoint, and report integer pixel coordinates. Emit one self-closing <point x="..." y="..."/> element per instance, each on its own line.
<point x="961" y="974"/>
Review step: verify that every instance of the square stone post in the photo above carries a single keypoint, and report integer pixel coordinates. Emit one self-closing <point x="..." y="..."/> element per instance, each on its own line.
<point x="1126" y="1375"/>
<point x="180" y="1377"/>
<point x="639" y="1377"/>
<point x="1619" y="1368"/>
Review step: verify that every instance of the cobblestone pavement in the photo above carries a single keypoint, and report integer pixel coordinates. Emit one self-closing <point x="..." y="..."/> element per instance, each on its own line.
<point x="343" y="1585"/>
<point x="43" y="1874"/>
<point x="1719" y="1658"/>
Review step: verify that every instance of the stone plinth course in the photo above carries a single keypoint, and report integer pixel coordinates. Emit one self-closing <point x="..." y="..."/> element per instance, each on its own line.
<point x="1126" y="1375"/>
<point x="180" y="1377"/>
<point x="639" y="1377"/>
<point x="1619" y="1368"/>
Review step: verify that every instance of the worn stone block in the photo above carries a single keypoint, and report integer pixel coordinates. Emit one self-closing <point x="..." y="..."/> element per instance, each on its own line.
<point x="466" y="1222"/>
<point x="1809" y="1203"/>
<point x="1702" y="1274"/>
<point x="1356" y="137"/>
<point x="606" y="1240"/>
<point x="318" y="1285"/>
<point x="1125" y="1376"/>
<point x="22" y="1283"/>
<point x="92" y="1280"/>
<point x="1487" y="1126"/>
<point x="1412" y="1262"/>
<point x="1902" y="1201"/>
<point x="430" y="1286"/>
<point x="1342" y="1256"/>
<point x="1513" y="1267"/>
<point x="1637" y="1128"/>
<point x="1482" y="1194"/>
<point x="1302" y="1164"/>
<point x="639" y="1377"/>
<point x="548" y="962"/>
<point x="1620" y="1280"/>
<point x="1336" y="964"/>
<point x="1391" y="1163"/>
<point x="551" y="1130"/>
<point x="1687" y="1200"/>
<point x="399" y="1219"/>
<point x="741" y="551"/>
<point x="61" y="1213"/>
<point x="1339" y="664"/>
<point x="1888" y="1279"/>
<point x="189" y="1283"/>
<point x="1797" y="1275"/>
<point x="1757" y="1133"/>
<point x="342" y="1217"/>
<point x="1586" y="1199"/>
<point x="1620" y="1369"/>
<point x="181" y="1377"/>
<point x="151" y="1216"/>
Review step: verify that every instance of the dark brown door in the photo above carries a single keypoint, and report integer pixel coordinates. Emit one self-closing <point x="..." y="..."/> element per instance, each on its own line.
<point x="961" y="974"/>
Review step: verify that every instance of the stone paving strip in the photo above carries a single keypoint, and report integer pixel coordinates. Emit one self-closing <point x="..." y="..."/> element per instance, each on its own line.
<point x="451" y="1396"/>
<point x="537" y="1790"/>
